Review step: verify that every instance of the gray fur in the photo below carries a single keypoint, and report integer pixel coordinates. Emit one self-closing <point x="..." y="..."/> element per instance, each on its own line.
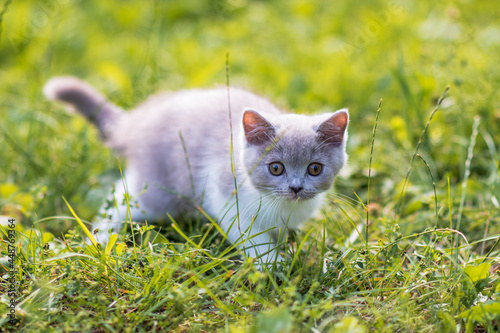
<point x="149" y="138"/>
<point x="86" y="100"/>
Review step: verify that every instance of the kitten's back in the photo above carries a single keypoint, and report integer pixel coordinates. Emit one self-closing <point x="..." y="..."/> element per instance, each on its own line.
<point x="201" y="116"/>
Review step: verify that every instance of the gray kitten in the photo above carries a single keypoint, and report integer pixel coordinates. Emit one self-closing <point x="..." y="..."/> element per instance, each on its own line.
<point x="179" y="145"/>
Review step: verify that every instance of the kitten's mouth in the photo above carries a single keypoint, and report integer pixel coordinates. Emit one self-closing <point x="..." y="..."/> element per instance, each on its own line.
<point x="291" y="196"/>
<point x="299" y="196"/>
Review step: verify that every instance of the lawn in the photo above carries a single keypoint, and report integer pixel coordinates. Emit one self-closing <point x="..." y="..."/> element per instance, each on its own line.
<point x="408" y="240"/>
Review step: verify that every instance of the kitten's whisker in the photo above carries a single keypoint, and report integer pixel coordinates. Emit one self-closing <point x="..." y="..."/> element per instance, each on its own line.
<point x="347" y="209"/>
<point x="344" y="197"/>
<point x="345" y="200"/>
<point x="252" y="206"/>
<point x="267" y="215"/>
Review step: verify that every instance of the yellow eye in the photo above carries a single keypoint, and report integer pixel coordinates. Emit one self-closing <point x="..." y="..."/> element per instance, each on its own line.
<point x="276" y="168"/>
<point x="314" y="169"/>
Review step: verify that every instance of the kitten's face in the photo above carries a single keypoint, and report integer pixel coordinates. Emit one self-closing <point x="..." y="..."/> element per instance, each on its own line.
<point x="294" y="156"/>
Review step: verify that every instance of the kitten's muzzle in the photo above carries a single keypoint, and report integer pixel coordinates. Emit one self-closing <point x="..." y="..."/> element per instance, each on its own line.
<point x="292" y="196"/>
<point x="296" y="189"/>
<point x="298" y="192"/>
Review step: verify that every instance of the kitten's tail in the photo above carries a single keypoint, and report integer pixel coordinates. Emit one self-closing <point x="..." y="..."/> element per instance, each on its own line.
<point x="86" y="100"/>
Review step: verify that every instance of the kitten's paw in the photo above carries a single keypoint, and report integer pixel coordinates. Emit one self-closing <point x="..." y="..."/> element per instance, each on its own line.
<point x="103" y="230"/>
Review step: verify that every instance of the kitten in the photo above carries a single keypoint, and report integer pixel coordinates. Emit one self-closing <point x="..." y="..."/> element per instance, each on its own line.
<point x="178" y="144"/>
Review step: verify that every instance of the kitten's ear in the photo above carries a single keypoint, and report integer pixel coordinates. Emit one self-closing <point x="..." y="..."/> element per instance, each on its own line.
<point x="333" y="129"/>
<point x="257" y="129"/>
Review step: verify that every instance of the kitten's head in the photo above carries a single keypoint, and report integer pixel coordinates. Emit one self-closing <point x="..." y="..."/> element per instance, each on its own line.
<point x="294" y="156"/>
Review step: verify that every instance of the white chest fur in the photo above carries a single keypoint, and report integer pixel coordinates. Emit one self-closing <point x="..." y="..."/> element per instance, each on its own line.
<point x="255" y="220"/>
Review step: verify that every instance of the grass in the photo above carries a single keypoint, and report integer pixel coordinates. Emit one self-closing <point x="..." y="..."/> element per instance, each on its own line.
<point x="429" y="260"/>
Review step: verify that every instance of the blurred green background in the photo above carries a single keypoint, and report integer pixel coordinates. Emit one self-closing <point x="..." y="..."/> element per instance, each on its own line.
<point x="307" y="56"/>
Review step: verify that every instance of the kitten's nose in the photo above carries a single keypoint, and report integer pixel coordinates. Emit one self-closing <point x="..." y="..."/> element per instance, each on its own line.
<point x="296" y="189"/>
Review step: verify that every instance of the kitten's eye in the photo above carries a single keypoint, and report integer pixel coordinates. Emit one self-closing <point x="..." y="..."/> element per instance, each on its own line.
<point x="276" y="168"/>
<point x="314" y="169"/>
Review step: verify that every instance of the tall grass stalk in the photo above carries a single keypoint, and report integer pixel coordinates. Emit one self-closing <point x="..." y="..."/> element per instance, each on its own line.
<point x="189" y="167"/>
<point x="433" y="186"/>
<point x="370" y="174"/>
<point x="231" y="150"/>
<point x="470" y="155"/>
<point x="420" y="140"/>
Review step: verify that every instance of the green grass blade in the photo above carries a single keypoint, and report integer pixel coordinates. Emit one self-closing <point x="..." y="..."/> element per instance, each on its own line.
<point x="81" y="224"/>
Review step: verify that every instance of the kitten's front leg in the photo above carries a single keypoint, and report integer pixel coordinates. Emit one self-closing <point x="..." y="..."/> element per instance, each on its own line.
<point x="111" y="220"/>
